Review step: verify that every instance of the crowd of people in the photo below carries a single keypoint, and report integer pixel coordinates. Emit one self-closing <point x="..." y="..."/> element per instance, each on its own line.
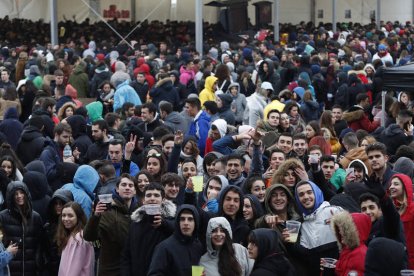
<point x="159" y="160"/>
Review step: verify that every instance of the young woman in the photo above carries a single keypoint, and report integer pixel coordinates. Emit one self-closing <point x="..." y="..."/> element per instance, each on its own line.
<point x="367" y="140"/>
<point x="312" y="129"/>
<point x="156" y="165"/>
<point x="290" y="173"/>
<point x="190" y="150"/>
<point x="252" y="209"/>
<point x="9" y="166"/>
<point x="284" y="123"/>
<point x="67" y="110"/>
<point x="59" y="199"/>
<point x="264" y="248"/>
<point x="327" y="121"/>
<point x="21" y="224"/>
<point x="295" y="117"/>
<point x="143" y="179"/>
<point x="223" y="257"/>
<point x="78" y="255"/>
<point x="401" y="192"/>
<point x="255" y="185"/>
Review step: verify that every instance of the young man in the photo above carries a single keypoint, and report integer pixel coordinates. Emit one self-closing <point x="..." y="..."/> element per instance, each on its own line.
<point x="234" y="170"/>
<point x="173" y="187"/>
<point x="353" y="151"/>
<point x="52" y="155"/>
<point x="147" y="231"/>
<point x="201" y="123"/>
<point x="99" y="149"/>
<point x="231" y="207"/>
<point x="110" y="225"/>
<point x="149" y="117"/>
<point x="356" y="116"/>
<point x="285" y="142"/>
<point x="167" y="142"/>
<point x="400" y="133"/>
<point x="177" y="254"/>
<point x="171" y="118"/>
<point x="385" y="218"/>
<point x="121" y="163"/>
<point x="300" y="148"/>
<point x="340" y="124"/>
<point x="378" y="158"/>
<point x="323" y="174"/>
<point x="317" y="240"/>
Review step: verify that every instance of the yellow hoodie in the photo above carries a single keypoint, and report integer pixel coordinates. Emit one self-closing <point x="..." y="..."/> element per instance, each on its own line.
<point x="207" y="94"/>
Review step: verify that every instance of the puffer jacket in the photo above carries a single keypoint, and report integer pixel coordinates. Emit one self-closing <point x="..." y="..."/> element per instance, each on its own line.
<point x="164" y="91"/>
<point x="143" y="238"/>
<point x="211" y="258"/>
<point x="356" y="153"/>
<point x="29" y="233"/>
<point x="239" y="102"/>
<point x="84" y="183"/>
<point x="357" y="119"/>
<point x="352" y="231"/>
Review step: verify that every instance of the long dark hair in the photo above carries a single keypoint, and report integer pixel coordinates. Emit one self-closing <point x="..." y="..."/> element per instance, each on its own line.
<point x="228" y="264"/>
<point x="13" y="163"/>
<point x="63" y="235"/>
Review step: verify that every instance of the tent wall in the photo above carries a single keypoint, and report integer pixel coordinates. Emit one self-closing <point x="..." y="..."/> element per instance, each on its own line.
<point x="292" y="11"/>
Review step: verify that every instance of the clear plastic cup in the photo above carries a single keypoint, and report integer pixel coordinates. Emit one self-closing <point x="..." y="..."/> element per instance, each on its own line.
<point x="152" y="209"/>
<point x="105" y="198"/>
<point x="328" y="262"/>
<point x="293" y="228"/>
<point x="407" y="272"/>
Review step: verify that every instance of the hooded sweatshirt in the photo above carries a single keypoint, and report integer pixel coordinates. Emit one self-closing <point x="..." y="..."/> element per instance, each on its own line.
<point x="239" y="102"/>
<point x="225" y="111"/>
<point x="270" y="259"/>
<point x="239" y="225"/>
<point x="207" y="94"/>
<point x="385" y="257"/>
<point x="84" y="183"/>
<point x="39" y="190"/>
<point x="11" y="127"/>
<point x="352" y="231"/>
<point x="166" y="261"/>
<point x="211" y="258"/>
<point x="407" y="217"/>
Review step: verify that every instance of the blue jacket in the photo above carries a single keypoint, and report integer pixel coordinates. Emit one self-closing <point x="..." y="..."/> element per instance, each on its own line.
<point x="11" y="127"/>
<point x="199" y="129"/>
<point x="5" y="258"/>
<point x="125" y="93"/>
<point x="52" y="159"/>
<point x="133" y="168"/>
<point x="84" y="183"/>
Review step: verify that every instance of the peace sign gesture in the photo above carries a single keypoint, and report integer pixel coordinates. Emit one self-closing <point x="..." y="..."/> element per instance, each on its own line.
<point x="129" y="147"/>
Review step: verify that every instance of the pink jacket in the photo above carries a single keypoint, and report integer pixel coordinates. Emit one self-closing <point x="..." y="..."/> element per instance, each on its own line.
<point x="78" y="257"/>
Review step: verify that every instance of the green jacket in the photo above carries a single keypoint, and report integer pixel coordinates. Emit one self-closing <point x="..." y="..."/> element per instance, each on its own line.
<point x="111" y="230"/>
<point x="80" y="81"/>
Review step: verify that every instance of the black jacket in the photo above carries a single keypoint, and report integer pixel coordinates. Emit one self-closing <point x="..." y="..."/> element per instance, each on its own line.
<point x="14" y="230"/>
<point x="50" y="228"/>
<point x="394" y="136"/>
<point x="270" y="259"/>
<point x="30" y="145"/>
<point x="166" y="261"/>
<point x="82" y="140"/>
<point x="164" y="91"/>
<point x="143" y="238"/>
<point x="39" y="191"/>
<point x="96" y="151"/>
<point x="239" y="225"/>
<point x="53" y="160"/>
<point x="11" y="127"/>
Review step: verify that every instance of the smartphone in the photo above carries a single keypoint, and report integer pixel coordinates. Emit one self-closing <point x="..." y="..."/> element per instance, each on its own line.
<point x="350" y="172"/>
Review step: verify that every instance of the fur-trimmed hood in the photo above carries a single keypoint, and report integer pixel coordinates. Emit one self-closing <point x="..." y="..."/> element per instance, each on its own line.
<point x="168" y="210"/>
<point x="353" y="115"/>
<point x="165" y="81"/>
<point x="357" y="72"/>
<point x="351" y="230"/>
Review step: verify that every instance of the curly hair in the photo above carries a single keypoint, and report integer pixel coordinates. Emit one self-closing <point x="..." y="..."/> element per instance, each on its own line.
<point x="289" y="164"/>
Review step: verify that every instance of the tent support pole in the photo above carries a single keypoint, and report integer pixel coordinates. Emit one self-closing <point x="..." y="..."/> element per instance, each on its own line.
<point x="199" y="26"/>
<point x="334" y="16"/>
<point x="383" y="94"/>
<point x="53" y="22"/>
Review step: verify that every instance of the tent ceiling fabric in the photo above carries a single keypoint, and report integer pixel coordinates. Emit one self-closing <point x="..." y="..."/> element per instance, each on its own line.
<point x="292" y="11"/>
<point x="399" y="78"/>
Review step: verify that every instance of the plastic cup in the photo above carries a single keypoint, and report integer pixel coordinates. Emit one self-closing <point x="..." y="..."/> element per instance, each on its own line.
<point x="107" y="199"/>
<point x="198" y="183"/>
<point x="152" y="209"/>
<point x="197" y="270"/>
<point x="407" y="272"/>
<point x="293" y="228"/>
<point x="328" y="262"/>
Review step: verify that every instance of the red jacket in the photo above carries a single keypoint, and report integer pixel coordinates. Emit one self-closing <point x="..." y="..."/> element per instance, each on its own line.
<point x="407" y="217"/>
<point x="357" y="119"/>
<point x="352" y="230"/>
